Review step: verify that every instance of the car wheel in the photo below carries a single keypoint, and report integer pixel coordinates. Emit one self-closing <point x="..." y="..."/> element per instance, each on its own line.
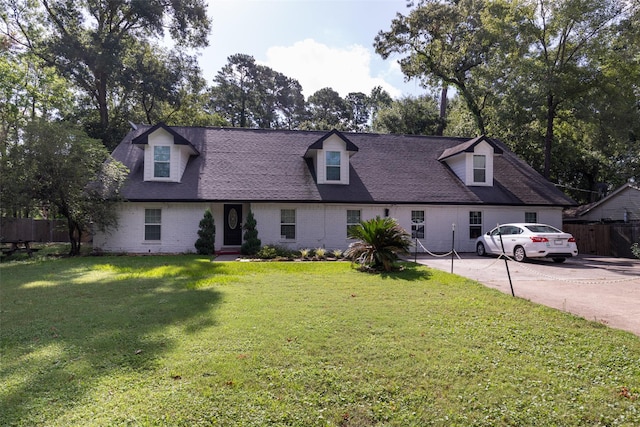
<point x="480" y="249"/>
<point x="559" y="260"/>
<point x="519" y="254"/>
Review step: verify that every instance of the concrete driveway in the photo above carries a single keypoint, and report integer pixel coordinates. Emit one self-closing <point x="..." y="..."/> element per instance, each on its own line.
<point x="606" y="290"/>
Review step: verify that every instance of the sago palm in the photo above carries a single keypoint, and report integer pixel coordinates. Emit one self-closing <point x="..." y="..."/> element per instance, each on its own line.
<point x="379" y="242"/>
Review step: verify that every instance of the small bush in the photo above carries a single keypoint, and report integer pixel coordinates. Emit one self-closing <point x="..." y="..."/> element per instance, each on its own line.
<point x="251" y="244"/>
<point x="304" y="253"/>
<point x="274" y="251"/>
<point x="635" y="249"/>
<point x="337" y="253"/>
<point x="205" y="244"/>
<point x="321" y="252"/>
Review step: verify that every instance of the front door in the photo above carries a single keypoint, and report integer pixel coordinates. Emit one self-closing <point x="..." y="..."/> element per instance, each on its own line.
<point x="232" y="225"/>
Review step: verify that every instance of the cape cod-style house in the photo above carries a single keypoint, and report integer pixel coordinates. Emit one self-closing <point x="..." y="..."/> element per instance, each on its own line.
<point x="306" y="188"/>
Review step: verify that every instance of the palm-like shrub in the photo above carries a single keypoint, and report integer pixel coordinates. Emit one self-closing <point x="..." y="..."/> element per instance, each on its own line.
<point x="379" y="242"/>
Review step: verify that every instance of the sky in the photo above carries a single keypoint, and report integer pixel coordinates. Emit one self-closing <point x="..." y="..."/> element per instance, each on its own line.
<point x="320" y="43"/>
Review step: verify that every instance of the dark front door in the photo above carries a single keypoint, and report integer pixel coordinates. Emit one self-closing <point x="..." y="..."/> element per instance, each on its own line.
<point x="232" y="225"/>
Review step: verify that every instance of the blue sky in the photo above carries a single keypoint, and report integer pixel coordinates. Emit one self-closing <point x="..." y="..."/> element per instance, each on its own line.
<point x="321" y="43"/>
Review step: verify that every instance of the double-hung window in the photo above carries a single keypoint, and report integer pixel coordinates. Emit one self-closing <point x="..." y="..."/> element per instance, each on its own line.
<point x="333" y="165"/>
<point x="479" y="168"/>
<point x="152" y="224"/>
<point x="531" y="217"/>
<point x="353" y="220"/>
<point x="417" y="224"/>
<point x="475" y="224"/>
<point x="161" y="161"/>
<point x="288" y="224"/>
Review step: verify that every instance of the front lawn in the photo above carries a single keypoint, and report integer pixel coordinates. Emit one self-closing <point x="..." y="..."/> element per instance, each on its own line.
<point x="182" y="341"/>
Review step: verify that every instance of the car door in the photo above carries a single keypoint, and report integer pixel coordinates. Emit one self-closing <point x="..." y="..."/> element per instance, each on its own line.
<point x="493" y="241"/>
<point x="510" y="238"/>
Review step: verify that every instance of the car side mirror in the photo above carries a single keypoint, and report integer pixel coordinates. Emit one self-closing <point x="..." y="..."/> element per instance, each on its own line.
<point x="487" y="233"/>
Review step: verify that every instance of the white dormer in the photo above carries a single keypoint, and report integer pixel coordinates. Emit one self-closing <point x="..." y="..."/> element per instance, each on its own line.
<point x="166" y="153"/>
<point x="330" y="156"/>
<point x="472" y="161"/>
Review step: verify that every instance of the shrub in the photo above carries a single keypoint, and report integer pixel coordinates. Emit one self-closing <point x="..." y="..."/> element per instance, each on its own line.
<point x="271" y="252"/>
<point x="337" y="253"/>
<point x="205" y="245"/>
<point x="251" y="244"/>
<point x="304" y="253"/>
<point x="635" y="249"/>
<point x="321" y="252"/>
<point x="379" y="241"/>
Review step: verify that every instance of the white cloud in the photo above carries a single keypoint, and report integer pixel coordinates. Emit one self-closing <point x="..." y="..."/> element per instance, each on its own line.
<point x="316" y="66"/>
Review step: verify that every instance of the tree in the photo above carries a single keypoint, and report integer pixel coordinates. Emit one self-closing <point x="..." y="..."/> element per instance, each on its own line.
<point x="379" y="242"/>
<point x="88" y="41"/>
<point x="206" y="243"/>
<point x="378" y="99"/>
<point x="251" y="244"/>
<point x="358" y="104"/>
<point x="410" y="116"/>
<point x="450" y="43"/>
<point x="71" y="173"/>
<point x="327" y="110"/>
<point x="559" y="62"/>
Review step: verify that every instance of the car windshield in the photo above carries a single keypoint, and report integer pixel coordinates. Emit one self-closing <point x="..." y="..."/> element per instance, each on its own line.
<point x="543" y="229"/>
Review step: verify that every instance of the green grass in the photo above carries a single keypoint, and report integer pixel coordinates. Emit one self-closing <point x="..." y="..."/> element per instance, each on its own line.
<point x="182" y="341"/>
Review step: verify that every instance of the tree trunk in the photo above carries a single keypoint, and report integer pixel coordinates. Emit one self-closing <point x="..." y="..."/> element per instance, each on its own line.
<point x="443" y="110"/>
<point x="548" y="138"/>
<point x="75" y="241"/>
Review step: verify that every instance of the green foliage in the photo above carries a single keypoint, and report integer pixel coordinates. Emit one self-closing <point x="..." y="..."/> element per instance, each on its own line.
<point x="98" y="47"/>
<point x="205" y="245"/>
<point x="251" y="244"/>
<point x="380" y="241"/>
<point x="409" y="116"/>
<point x="337" y="253"/>
<point x="320" y="253"/>
<point x="635" y="249"/>
<point x="304" y="253"/>
<point x="58" y="166"/>
<point x="275" y="251"/>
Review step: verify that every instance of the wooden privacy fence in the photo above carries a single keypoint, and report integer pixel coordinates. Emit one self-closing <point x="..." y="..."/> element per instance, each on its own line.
<point x="35" y="230"/>
<point x="605" y="239"/>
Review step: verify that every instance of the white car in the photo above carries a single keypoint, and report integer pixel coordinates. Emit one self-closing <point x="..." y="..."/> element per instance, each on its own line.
<point x="522" y="241"/>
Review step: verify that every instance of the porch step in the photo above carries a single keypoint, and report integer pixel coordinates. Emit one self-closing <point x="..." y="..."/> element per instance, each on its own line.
<point x="230" y="250"/>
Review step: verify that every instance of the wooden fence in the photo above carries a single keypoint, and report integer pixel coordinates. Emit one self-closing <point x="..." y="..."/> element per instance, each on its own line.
<point x="605" y="239"/>
<point x="36" y="230"/>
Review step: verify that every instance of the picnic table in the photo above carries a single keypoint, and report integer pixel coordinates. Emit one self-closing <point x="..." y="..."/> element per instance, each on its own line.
<point x="17" y="246"/>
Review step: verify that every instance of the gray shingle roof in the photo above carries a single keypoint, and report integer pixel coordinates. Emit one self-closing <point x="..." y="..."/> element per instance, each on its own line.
<point x="252" y="165"/>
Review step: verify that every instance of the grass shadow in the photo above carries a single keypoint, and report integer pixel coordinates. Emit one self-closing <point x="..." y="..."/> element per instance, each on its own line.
<point x="90" y="318"/>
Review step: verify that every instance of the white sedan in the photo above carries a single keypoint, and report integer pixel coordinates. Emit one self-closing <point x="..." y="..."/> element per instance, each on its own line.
<point x="524" y="241"/>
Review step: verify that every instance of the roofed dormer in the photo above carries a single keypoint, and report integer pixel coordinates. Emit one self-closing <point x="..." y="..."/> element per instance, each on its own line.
<point x="330" y="155"/>
<point x="472" y="161"/>
<point x="166" y="153"/>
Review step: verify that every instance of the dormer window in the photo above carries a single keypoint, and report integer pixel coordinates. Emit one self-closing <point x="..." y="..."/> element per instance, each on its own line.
<point x="161" y="161"/>
<point x="479" y="168"/>
<point x="472" y="161"/>
<point x="166" y="153"/>
<point x="329" y="157"/>
<point x="333" y="165"/>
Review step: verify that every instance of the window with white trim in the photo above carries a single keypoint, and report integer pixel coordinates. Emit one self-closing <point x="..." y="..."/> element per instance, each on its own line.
<point x="333" y="165"/>
<point x="288" y="224"/>
<point x="152" y="224"/>
<point x="531" y="217"/>
<point x="479" y="168"/>
<point x="353" y="219"/>
<point x="161" y="161"/>
<point x="417" y="224"/>
<point x="475" y="224"/>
